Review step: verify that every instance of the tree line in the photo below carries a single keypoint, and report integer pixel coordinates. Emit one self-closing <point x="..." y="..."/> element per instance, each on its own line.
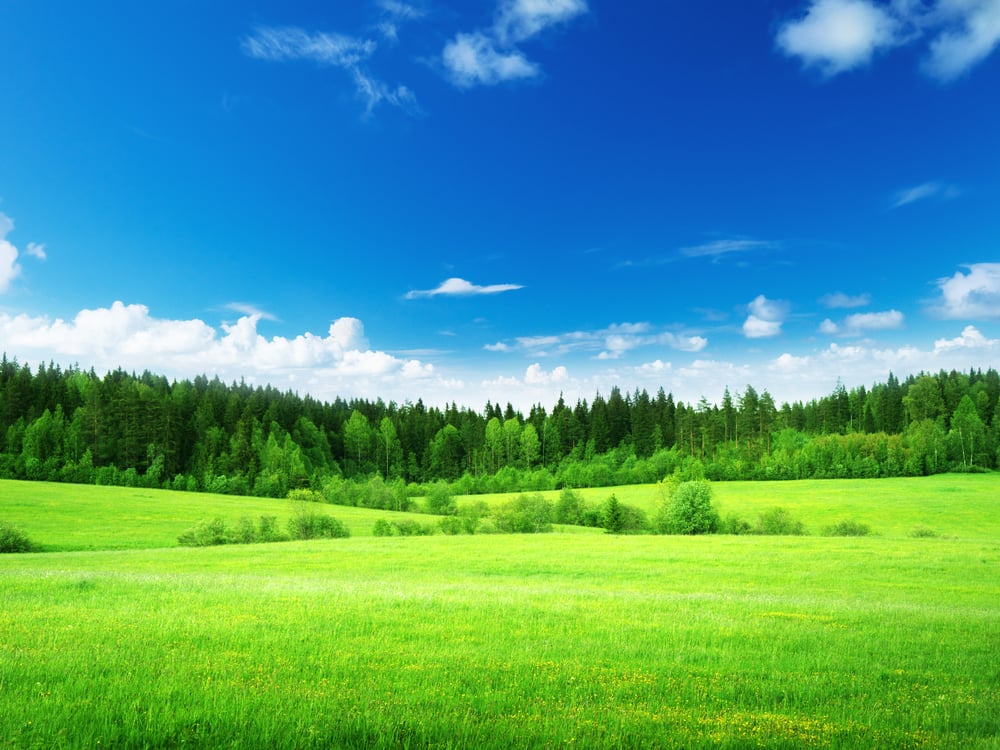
<point x="143" y="430"/>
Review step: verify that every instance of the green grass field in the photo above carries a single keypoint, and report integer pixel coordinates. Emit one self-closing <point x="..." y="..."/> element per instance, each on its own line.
<point x="551" y="640"/>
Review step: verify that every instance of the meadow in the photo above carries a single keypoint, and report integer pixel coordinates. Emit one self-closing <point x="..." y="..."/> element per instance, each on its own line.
<point x="547" y="640"/>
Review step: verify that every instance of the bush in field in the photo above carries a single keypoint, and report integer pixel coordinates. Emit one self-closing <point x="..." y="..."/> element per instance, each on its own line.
<point x="778" y="522"/>
<point x="440" y="501"/>
<point x="619" y="518"/>
<point x="305" y="496"/>
<point x="206" y="534"/>
<point x="688" y="510"/>
<point x="733" y="524"/>
<point x="307" y="523"/>
<point x="848" y="528"/>
<point x="526" y="514"/>
<point x="382" y="528"/>
<point x="12" y="539"/>
<point x="569" y="507"/>
<point x="922" y="532"/>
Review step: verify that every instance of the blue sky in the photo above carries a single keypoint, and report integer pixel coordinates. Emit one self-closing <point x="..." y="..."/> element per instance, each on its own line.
<point x="503" y="199"/>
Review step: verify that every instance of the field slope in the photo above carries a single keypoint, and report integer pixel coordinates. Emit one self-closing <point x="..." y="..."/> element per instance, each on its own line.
<point x="508" y="641"/>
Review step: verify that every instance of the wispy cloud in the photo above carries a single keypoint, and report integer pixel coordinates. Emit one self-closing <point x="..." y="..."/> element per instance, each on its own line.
<point x="490" y="56"/>
<point x="860" y="323"/>
<point x="461" y="288"/>
<point x="394" y="14"/>
<point x="726" y="247"/>
<point x="924" y="191"/>
<point x="290" y="43"/>
<point x="973" y="295"/>
<point x="244" y="308"/>
<point x="835" y="36"/>
<point x="765" y="318"/>
<point x="841" y="300"/>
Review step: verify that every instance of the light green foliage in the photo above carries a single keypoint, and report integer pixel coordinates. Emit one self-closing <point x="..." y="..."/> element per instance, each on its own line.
<point x="525" y="514"/>
<point x="688" y="510"/>
<point x="440" y="501"/>
<point x="848" y="528"/>
<point x="308" y="523"/>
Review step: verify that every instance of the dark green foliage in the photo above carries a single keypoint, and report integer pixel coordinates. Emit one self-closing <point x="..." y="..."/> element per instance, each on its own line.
<point x="733" y="524"/>
<point x="923" y="532"/>
<point x="308" y="523"/>
<point x="619" y="518"/>
<point x="12" y="539"/>
<point x="404" y="527"/>
<point x="688" y="510"/>
<point x="848" y="528"/>
<point x="203" y="435"/>
<point x="778" y="522"/>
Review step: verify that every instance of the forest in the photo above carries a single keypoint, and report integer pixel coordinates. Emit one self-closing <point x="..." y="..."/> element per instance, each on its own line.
<point x="70" y="425"/>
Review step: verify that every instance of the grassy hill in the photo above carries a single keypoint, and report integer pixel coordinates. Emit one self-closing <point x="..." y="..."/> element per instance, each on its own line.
<point x="505" y="640"/>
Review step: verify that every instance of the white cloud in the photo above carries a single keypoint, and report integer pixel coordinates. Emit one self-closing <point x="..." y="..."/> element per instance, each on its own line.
<point x="839" y="299"/>
<point x="973" y="295"/>
<point x="473" y="59"/>
<point x="280" y="44"/>
<point x="338" y="363"/>
<point x="608" y="343"/>
<point x="10" y="269"/>
<point x="461" y="288"/>
<point x="535" y="375"/>
<point x="726" y="247"/>
<point x="970" y="338"/>
<point x="522" y="19"/>
<point x="837" y="35"/>
<point x="970" y="37"/>
<point x="283" y="44"/>
<point x="765" y="318"/>
<point x="860" y="323"/>
<point x="923" y="192"/>
<point x="488" y="57"/>
<point x="244" y="308"/>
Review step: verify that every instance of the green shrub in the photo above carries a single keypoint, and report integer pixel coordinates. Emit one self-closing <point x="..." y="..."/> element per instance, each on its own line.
<point x="778" y="522"/>
<point x="440" y="501"/>
<point x="309" y="524"/>
<point x="688" y="510"/>
<point x="848" y="528"/>
<point x="382" y="528"/>
<point x="620" y="518"/>
<point x="922" y="532"/>
<point x="526" y="514"/>
<point x="305" y="496"/>
<point x="569" y="507"/>
<point x="206" y="534"/>
<point x="412" y="528"/>
<point x="12" y="539"/>
<point x="733" y="524"/>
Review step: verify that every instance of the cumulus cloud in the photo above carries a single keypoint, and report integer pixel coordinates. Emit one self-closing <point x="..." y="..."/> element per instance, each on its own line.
<point x="835" y="36"/>
<point x="971" y="33"/>
<point x="473" y="60"/>
<point x="490" y="56"/>
<point x="535" y="375"/>
<point x="970" y="338"/>
<point x="129" y="336"/>
<point x="10" y="269"/>
<point x="461" y="288"/>
<point x="290" y="43"/>
<point x="765" y="318"/>
<point x="975" y="294"/>
<point x="518" y="20"/>
<point x="841" y="300"/>
<point x="860" y="323"/>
